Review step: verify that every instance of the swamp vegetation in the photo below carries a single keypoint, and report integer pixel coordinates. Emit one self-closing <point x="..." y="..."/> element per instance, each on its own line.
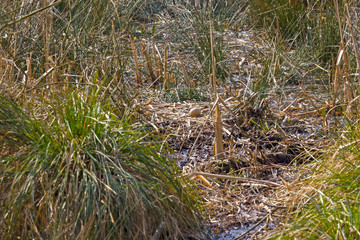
<point x="179" y="119"/>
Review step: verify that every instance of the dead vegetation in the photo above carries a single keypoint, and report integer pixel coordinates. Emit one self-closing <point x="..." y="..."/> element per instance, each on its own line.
<point x="264" y="152"/>
<point x="244" y="114"/>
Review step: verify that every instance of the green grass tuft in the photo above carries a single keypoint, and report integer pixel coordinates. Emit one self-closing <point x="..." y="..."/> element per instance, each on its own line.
<point x="83" y="173"/>
<point x="333" y="209"/>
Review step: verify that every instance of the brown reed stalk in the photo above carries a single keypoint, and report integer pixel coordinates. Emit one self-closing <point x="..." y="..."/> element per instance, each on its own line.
<point x="355" y="50"/>
<point x="186" y="76"/>
<point x="338" y="74"/>
<point x="67" y="79"/>
<point x="116" y="59"/>
<point x="28" y="72"/>
<point x="156" y="60"/>
<point x="11" y="74"/>
<point x="54" y="74"/>
<point x="342" y="71"/>
<point x="29" y="78"/>
<point x="22" y="18"/>
<point x="355" y="44"/>
<point x="136" y="61"/>
<point x="2" y="68"/>
<point x="219" y="144"/>
<point x="46" y="30"/>
<point x="165" y="76"/>
<point x="5" y="70"/>
<point x="148" y="61"/>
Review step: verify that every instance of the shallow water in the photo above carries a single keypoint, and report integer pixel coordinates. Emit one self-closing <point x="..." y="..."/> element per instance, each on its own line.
<point x="237" y="231"/>
<point x="230" y="234"/>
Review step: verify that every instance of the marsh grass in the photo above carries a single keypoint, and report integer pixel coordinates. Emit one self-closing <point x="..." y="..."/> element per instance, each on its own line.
<point x="76" y="161"/>
<point x="72" y="39"/>
<point x="300" y="23"/>
<point x="309" y="31"/>
<point x="326" y="204"/>
<point x="85" y="173"/>
<point x="330" y="206"/>
<point x="178" y="94"/>
<point x="191" y="31"/>
<point x="280" y="17"/>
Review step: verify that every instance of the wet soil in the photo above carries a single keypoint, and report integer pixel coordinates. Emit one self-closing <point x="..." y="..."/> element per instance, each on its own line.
<point x="262" y="143"/>
<point x="266" y="139"/>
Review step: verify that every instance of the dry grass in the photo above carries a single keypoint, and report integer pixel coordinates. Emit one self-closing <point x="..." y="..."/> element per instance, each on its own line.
<point x="86" y="78"/>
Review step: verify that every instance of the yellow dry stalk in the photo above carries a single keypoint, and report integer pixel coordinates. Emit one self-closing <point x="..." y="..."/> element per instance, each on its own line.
<point x="47" y="30"/>
<point x="136" y="61"/>
<point x="165" y="77"/>
<point x="204" y="180"/>
<point x="219" y="144"/>
<point x="342" y="71"/>
<point x="156" y="60"/>
<point x="186" y="76"/>
<point x="29" y="77"/>
<point x="148" y="61"/>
